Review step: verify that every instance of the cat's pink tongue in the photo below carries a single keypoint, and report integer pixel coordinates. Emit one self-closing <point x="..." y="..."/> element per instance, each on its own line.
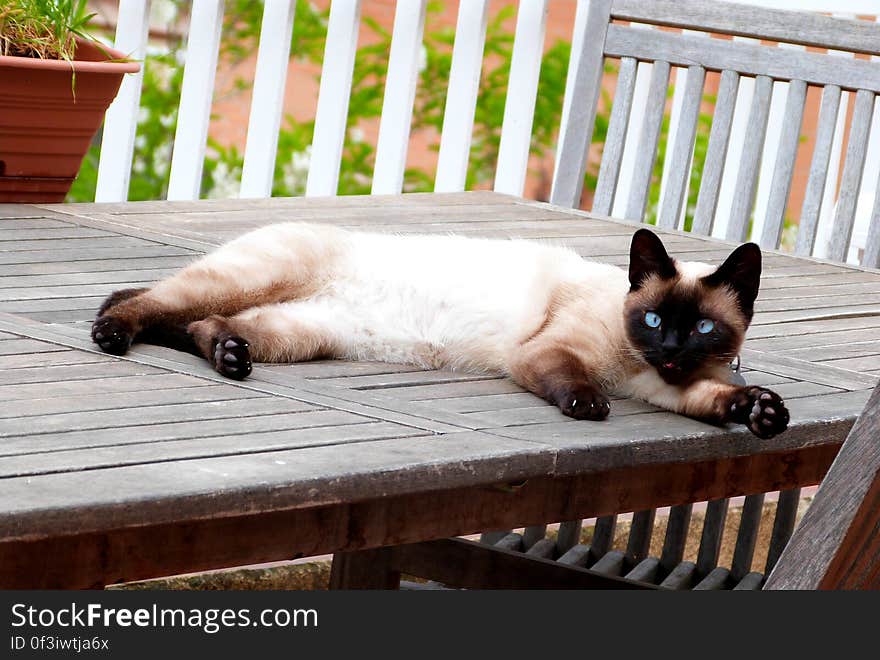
<point x="669" y="365"/>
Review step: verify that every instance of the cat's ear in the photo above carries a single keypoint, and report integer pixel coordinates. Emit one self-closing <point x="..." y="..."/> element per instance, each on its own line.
<point x="741" y="271"/>
<point x="647" y="257"/>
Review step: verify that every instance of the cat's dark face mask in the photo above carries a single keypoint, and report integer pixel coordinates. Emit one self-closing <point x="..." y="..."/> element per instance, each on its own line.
<point x="683" y="325"/>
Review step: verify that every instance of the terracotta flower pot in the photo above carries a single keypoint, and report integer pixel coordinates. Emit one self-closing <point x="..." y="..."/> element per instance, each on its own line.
<point x="48" y="119"/>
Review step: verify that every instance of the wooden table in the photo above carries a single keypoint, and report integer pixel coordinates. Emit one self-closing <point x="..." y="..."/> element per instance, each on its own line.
<point x="117" y="469"/>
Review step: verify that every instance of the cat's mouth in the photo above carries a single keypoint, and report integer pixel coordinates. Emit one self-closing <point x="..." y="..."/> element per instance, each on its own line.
<point x="672" y="372"/>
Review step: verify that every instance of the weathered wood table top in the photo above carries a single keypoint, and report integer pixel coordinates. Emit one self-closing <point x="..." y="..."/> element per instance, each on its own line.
<point x="118" y="468"/>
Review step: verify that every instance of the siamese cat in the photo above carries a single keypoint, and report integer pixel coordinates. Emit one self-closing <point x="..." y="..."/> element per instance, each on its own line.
<point x="565" y="328"/>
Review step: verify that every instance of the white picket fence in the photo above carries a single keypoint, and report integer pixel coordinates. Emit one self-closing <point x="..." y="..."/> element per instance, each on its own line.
<point x="455" y="141"/>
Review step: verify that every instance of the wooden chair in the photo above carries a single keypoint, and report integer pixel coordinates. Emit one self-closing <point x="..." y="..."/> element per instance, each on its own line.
<point x="837" y="544"/>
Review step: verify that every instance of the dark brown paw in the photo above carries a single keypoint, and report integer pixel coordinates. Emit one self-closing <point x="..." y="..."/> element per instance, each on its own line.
<point x="762" y="410"/>
<point x="113" y="335"/>
<point x="584" y="403"/>
<point x="232" y="358"/>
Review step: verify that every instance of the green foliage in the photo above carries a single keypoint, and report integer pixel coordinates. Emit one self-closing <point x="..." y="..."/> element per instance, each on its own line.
<point x="42" y="28"/>
<point x="163" y="76"/>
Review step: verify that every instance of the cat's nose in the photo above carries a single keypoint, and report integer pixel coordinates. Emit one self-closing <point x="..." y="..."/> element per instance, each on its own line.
<point x="670" y="343"/>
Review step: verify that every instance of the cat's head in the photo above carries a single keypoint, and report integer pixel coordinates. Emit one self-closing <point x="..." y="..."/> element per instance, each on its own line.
<point x="683" y="318"/>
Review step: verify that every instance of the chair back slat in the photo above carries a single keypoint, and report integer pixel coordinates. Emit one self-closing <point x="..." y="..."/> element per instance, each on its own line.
<point x="533" y="534"/>
<point x="783" y="525"/>
<point x="710" y="539"/>
<point x="747" y="537"/>
<point x="777" y="123"/>
<point x="461" y="97"/>
<point x="639" y="542"/>
<point x="676" y="536"/>
<point x="120" y="121"/>
<point x="400" y="94"/>
<point x="584" y="84"/>
<point x="196" y="94"/>
<point x="603" y="537"/>
<point x="783" y="169"/>
<point x="493" y="537"/>
<point x="871" y="258"/>
<point x="675" y="111"/>
<point x="615" y="137"/>
<point x="747" y="175"/>
<point x="851" y="179"/>
<point x="648" y="142"/>
<point x="267" y="101"/>
<point x="807" y="29"/>
<point x="826" y="214"/>
<point x="678" y="168"/>
<point x="522" y="90"/>
<point x="633" y="133"/>
<point x="716" y="154"/>
<point x="815" y="189"/>
<point x="739" y="127"/>
<point x="333" y="96"/>
<point x="568" y="536"/>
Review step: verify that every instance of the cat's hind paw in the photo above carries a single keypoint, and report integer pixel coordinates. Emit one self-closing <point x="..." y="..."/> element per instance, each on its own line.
<point x="232" y="357"/>
<point x="584" y="403"/>
<point x="761" y="410"/>
<point x="113" y="335"/>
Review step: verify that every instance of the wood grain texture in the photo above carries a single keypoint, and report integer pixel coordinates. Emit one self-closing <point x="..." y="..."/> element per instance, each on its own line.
<point x="582" y="92"/>
<point x="716" y="154"/>
<point x="677" y="173"/>
<point x="783" y="168"/>
<point x="750" y="162"/>
<point x="851" y="178"/>
<point x="461" y="563"/>
<point x="615" y="137"/>
<point x="746" y="58"/>
<point x="814" y="192"/>
<point x="837" y="544"/>
<point x="806" y="28"/>
<point x="156" y="450"/>
<point x="85" y="557"/>
<point x="648" y="140"/>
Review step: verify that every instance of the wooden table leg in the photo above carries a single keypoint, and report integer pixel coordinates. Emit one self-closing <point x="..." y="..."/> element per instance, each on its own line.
<point x="364" y="569"/>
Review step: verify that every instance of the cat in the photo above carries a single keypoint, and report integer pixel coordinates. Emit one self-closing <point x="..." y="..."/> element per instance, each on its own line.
<point x="565" y="328"/>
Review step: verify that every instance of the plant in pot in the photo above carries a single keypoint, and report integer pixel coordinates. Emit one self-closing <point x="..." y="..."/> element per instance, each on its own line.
<point x="55" y="85"/>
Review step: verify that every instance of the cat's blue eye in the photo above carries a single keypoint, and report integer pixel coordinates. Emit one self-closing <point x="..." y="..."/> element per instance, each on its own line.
<point x="705" y="326"/>
<point x="652" y="319"/>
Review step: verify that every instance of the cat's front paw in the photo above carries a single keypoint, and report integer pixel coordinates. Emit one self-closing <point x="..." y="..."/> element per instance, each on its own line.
<point x="232" y="357"/>
<point x="112" y="334"/>
<point x="584" y="402"/>
<point x="762" y="410"/>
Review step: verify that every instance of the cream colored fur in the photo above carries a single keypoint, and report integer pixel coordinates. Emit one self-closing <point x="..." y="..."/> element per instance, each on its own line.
<point x="476" y="305"/>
